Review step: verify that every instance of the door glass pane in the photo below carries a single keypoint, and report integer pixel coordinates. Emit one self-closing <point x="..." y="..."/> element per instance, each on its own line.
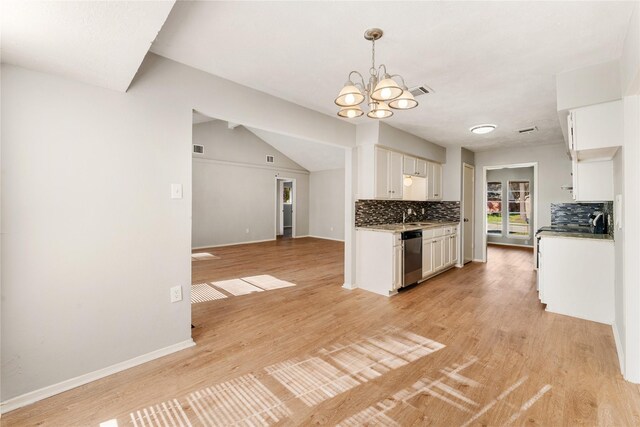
<point x="519" y="209"/>
<point x="494" y="208"/>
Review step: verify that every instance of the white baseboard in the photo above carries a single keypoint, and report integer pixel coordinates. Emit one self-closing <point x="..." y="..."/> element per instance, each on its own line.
<point x="48" y="391"/>
<point x="349" y="286"/>
<point x="231" y="244"/>
<point x="300" y="237"/>
<point x="325" y="238"/>
<point x="477" y="260"/>
<point x="616" y="337"/>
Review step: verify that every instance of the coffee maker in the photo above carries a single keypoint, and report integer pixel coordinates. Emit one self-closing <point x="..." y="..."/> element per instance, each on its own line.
<point x="598" y="222"/>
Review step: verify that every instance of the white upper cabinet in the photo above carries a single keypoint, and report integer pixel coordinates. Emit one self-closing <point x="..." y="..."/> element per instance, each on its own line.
<point x="592" y="181"/>
<point x="409" y="165"/>
<point x="434" y="184"/>
<point x="414" y="166"/>
<point x="595" y="132"/>
<point x="381" y="172"/>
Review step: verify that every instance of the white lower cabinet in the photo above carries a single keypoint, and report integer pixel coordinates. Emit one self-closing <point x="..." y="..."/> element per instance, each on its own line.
<point x="439" y="250"/>
<point x="398" y="269"/>
<point x="454" y="248"/>
<point x="427" y="258"/>
<point x="380" y="257"/>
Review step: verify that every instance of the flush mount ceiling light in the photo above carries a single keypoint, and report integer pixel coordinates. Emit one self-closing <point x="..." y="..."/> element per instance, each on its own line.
<point x="482" y="129"/>
<point x="382" y="93"/>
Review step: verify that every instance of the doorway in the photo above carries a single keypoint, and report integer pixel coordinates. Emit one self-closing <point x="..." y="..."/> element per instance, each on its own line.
<point x="468" y="196"/>
<point x="285" y="208"/>
<point x="510" y="208"/>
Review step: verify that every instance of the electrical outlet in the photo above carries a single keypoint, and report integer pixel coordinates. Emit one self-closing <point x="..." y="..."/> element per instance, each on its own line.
<point x="176" y="294"/>
<point x="422" y="211"/>
<point x="409" y="211"/>
<point x="176" y="191"/>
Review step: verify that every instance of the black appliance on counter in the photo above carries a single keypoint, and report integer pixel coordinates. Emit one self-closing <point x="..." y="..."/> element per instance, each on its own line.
<point x="598" y="223"/>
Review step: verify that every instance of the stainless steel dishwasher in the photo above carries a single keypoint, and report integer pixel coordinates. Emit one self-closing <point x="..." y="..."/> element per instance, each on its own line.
<point x="412" y="243"/>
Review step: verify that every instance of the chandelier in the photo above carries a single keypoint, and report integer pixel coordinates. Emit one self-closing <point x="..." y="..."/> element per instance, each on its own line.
<point x="382" y="92"/>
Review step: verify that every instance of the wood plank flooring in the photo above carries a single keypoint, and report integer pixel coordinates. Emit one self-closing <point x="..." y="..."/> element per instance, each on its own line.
<point x="472" y="346"/>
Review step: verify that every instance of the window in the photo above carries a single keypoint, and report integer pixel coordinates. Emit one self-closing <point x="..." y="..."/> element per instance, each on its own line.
<point x="494" y="208"/>
<point x="519" y="209"/>
<point x="286" y="196"/>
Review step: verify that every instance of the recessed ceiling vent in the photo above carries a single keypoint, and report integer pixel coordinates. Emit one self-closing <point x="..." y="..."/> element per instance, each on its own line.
<point x="269" y="159"/>
<point x="420" y="90"/>
<point x="528" y="130"/>
<point x="198" y="149"/>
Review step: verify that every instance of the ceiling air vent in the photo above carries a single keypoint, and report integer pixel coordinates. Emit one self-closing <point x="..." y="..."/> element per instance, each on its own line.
<point x="198" y="149"/>
<point x="269" y="159"/>
<point x="527" y="130"/>
<point x="420" y="90"/>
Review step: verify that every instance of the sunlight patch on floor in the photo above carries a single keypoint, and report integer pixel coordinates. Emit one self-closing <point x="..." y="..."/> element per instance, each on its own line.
<point x="236" y="287"/>
<point x="165" y="414"/>
<point x="243" y="401"/>
<point x="202" y="292"/>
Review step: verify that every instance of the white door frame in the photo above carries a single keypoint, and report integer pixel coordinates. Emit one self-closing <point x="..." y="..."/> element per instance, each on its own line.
<point x="484" y="202"/>
<point x="472" y="219"/>
<point x="280" y="205"/>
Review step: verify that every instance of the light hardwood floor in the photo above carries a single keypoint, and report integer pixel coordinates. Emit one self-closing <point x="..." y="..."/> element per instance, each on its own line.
<point x="472" y="346"/>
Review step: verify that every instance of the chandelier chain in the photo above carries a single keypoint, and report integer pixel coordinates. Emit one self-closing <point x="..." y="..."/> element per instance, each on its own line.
<point x="372" y="71"/>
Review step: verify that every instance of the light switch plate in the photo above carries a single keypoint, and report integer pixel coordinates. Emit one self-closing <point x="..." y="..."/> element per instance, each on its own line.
<point x="176" y="191"/>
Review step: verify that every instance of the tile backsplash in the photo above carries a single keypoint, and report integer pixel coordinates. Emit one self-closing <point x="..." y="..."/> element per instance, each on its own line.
<point x="578" y="213"/>
<point x="374" y="212"/>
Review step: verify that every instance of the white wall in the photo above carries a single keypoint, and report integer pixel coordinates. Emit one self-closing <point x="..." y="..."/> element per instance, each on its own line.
<point x="452" y="174"/>
<point x="92" y="241"/>
<point x="619" y="320"/>
<point x="326" y="204"/>
<point x="554" y="170"/>
<point x="234" y="188"/>
<point x="408" y="143"/>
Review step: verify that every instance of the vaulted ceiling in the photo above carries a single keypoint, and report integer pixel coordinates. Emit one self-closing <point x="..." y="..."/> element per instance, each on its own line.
<point x="97" y="42"/>
<point x="489" y="62"/>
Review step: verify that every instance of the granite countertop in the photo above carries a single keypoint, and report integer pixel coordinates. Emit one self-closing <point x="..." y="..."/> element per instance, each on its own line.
<point x="399" y="227"/>
<point x="569" y="235"/>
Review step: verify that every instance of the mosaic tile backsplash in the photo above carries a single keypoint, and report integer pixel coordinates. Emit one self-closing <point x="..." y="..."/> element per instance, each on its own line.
<point x="374" y="212"/>
<point x="578" y="213"/>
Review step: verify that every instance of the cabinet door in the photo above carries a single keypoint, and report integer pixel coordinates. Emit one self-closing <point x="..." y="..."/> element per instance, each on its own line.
<point x="437" y="181"/>
<point x="454" y="249"/>
<point x="429" y="181"/>
<point x="397" y="267"/>
<point x="409" y="165"/>
<point x="427" y="258"/>
<point x="598" y="126"/>
<point x="446" y="251"/>
<point x="593" y="181"/>
<point x="395" y="175"/>
<point x="382" y="173"/>
<point x="421" y="167"/>
<point x="437" y="254"/>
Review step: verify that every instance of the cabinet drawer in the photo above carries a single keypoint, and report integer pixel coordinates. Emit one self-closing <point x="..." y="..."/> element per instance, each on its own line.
<point x="437" y="232"/>
<point x="427" y="234"/>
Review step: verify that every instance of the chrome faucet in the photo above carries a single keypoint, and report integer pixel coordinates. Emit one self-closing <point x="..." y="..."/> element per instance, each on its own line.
<point x="404" y="217"/>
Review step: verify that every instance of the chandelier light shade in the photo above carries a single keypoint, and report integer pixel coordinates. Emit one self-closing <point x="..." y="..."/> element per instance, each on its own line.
<point x="386" y="90"/>
<point x="382" y="92"/>
<point x="379" y="110"/>
<point x="351" y="112"/>
<point x="349" y="96"/>
<point x="406" y="101"/>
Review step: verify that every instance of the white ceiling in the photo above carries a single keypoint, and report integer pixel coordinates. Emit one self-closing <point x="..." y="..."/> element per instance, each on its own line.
<point x="488" y="62"/>
<point x="310" y="155"/>
<point x="101" y="43"/>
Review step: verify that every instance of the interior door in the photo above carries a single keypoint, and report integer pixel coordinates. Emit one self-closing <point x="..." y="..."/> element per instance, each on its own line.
<point x="467" y="212"/>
